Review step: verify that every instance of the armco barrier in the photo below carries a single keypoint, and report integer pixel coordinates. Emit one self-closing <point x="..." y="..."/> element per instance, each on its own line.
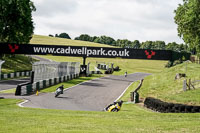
<point x="15" y="75"/>
<point x="29" y="88"/>
<point x="164" y="107"/>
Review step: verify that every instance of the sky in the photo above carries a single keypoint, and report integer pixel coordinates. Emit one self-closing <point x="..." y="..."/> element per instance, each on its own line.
<point x="143" y="20"/>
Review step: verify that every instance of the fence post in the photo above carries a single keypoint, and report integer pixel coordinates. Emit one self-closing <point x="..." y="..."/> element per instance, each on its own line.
<point x="1" y="62"/>
<point x="185" y="85"/>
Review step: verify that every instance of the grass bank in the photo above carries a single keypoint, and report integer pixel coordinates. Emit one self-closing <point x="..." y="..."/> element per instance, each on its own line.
<point x="16" y="63"/>
<point x="164" y="86"/>
<point x="39" y="39"/>
<point x="132" y="118"/>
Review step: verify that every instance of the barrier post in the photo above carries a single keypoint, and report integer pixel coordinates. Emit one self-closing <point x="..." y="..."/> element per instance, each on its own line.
<point x="1" y="62"/>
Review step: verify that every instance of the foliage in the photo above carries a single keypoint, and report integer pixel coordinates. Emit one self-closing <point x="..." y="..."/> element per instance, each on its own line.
<point x="125" y="43"/>
<point x="16" y="25"/>
<point x="104" y="40"/>
<point x="169" y="64"/>
<point x="173" y="46"/>
<point x="61" y="35"/>
<point x="136" y="44"/>
<point x="174" y="63"/>
<point x="64" y="35"/>
<point x="188" y="20"/>
<point x="84" y="37"/>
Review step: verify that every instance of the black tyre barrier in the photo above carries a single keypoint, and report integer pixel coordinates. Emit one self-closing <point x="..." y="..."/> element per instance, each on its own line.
<point x="164" y="107"/>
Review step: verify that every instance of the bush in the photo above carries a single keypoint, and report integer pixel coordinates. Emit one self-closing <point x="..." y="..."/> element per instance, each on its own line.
<point x="170" y="63"/>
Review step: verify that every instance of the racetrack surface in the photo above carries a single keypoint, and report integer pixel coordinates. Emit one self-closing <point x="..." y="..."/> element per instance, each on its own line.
<point x="93" y="95"/>
<point x="10" y="84"/>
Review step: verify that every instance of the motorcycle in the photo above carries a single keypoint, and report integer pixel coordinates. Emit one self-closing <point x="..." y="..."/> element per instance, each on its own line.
<point x="115" y="107"/>
<point x="59" y="90"/>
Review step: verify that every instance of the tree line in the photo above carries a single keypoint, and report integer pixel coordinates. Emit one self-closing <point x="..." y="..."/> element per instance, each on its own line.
<point x="125" y="43"/>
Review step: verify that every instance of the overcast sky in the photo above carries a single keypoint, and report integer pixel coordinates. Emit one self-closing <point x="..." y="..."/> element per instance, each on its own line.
<point x="121" y="19"/>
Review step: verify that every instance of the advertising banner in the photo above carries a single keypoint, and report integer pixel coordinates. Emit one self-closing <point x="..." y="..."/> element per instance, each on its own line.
<point x="84" y="51"/>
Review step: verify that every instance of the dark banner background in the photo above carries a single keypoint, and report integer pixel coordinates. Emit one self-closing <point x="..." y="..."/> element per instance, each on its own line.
<point x="6" y="48"/>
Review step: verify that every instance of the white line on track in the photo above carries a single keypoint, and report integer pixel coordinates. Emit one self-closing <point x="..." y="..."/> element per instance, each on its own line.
<point x="20" y="104"/>
<point x="123" y="92"/>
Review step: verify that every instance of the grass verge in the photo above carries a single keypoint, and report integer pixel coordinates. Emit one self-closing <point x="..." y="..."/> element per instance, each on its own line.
<point x="12" y="91"/>
<point x="164" y="86"/>
<point x="131" y="118"/>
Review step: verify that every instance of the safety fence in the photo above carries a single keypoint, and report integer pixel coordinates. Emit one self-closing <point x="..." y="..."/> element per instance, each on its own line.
<point x="27" y="89"/>
<point x="15" y="75"/>
<point x="46" y="70"/>
<point x="46" y="74"/>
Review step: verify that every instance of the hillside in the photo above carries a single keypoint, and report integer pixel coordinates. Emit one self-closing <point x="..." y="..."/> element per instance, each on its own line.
<point x="39" y="39"/>
<point x="164" y="86"/>
<point x="16" y="63"/>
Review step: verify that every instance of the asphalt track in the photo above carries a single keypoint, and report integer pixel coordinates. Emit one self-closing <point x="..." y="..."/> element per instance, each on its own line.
<point x="93" y="95"/>
<point x="10" y="84"/>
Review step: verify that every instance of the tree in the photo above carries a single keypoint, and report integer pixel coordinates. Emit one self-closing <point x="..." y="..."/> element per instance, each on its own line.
<point x="173" y="46"/>
<point x="16" y="24"/>
<point x="187" y="17"/>
<point x="64" y="35"/>
<point x="147" y="45"/>
<point x="159" y="45"/>
<point x="83" y="37"/>
<point x="125" y="43"/>
<point x="50" y="35"/>
<point x="136" y="44"/>
<point x="104" y="40"/>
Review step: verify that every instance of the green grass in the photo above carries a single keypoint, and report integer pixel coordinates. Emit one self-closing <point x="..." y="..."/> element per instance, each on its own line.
<point x="131" y="118"/>
<point x="165" y="87"/>
<point x="12" y="91"/>
<point x="16" y="63"/>
<point x="38" y="39"/>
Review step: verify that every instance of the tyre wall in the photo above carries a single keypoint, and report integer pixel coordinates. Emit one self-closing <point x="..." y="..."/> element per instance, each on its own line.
<point x="164" y="107"/>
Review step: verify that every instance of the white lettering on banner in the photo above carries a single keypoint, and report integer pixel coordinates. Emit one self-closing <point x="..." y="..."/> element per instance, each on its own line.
<point x="82" y="51"/>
